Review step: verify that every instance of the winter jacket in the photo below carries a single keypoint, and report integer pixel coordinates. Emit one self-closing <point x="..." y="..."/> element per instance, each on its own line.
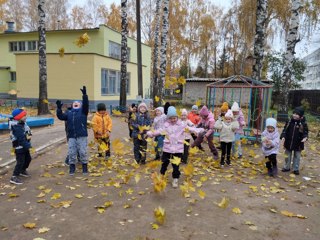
<point x="207" y="124"/>
<point x="140" y="119"/>
<point x="101" y="124"/>
<point x="174" y="135"/>
<point x="227" y="131"/>
<point x="187" y="134"/>
<point x="194" y="118"/>
<point x="293" y="132"/>
<point x="241" y="121"/>
<point x="20" y="135"/>
<point x="158" y="121"/>
<point x="76" y="119"/>
<point x="274" y="137"/>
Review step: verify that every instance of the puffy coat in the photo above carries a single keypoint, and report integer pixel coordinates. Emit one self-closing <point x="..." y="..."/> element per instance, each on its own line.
<point x="272" y="148"/>
<point x="101" y="124"/>
<point x="19" y="135"/>
<point x="241" y="121"/>
<point x="293" y="132"/>
<point x="194" y="117"/>
<point x="174" y="136"/>
<point x="158" y="121"/>
<point x="76" y="119"/>
<point x="140" y="119"/>
<point x="207" y="124"/>
<point x="226" y="130"/>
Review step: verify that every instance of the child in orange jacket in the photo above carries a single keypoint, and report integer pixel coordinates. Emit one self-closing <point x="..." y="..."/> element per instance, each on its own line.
<point x="102" y="126"/>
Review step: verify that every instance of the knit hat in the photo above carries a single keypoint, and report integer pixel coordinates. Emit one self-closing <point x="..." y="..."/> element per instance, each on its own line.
<point x="194" y="107"/>
<point x="204" y="111"/>
<point x="18" y="113"/>
<point x="161" y="109"/>
<point x="235" y="107"/>
<point x="172" y="112"/>
<point x="271" y="122"/>
<point x="299" y="111"/>
<point x="184" y="111"/>
<point x="229" y="114"/>
<point x="76" y="104"/>
<point x="101" y="107"/>
<point x="142" y="105"/>
<point x="224" y="107"/>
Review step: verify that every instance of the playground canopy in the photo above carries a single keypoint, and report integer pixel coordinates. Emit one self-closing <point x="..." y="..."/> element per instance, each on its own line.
<point x="251" y="94"/>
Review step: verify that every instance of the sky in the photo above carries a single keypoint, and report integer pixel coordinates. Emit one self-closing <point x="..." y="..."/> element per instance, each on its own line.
<point x="303" y="48"/>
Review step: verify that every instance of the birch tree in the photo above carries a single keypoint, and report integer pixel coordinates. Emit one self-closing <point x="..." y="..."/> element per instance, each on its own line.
<point x="259" y="39"/>
<point x="291" y="40"/>
<point x="124" y="55"/>
<point x="43" y="107"/>
<point x="155" y="77"/>
<point x="163" y="49"/>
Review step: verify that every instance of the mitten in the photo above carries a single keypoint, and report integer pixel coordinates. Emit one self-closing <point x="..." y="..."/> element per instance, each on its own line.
<point x="59" y="104"/>
<point x="84" y="90"/>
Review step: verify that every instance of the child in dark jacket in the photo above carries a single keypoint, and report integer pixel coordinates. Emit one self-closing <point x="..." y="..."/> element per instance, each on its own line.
<point x="20" y="135"/>
<point x="132" y="112"/>
<point x="140" y="125"/>
<point x="76" y="119"/>
<point x="294" y="135"/>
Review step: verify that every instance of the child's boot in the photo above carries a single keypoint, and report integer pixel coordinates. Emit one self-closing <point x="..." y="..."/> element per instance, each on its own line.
<point x="84" y="168"/>
<point x="72" y="169"/>
<point x="270" y="172"/>
<point x="275" y="171"/>
<point x="175" y="183"/>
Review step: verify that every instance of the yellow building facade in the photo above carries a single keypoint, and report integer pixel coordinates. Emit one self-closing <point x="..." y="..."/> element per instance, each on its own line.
<point x="96" y="65"/>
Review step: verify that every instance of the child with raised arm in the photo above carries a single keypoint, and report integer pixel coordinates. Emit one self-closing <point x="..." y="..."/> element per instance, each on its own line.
<point x="174" y="130"/>
<point x="227" y="129"/>
<point x="20" y="135"/>
<point x="270" y="146"/>
<point x="102" y="127"/>
<point x="76" y="119"/>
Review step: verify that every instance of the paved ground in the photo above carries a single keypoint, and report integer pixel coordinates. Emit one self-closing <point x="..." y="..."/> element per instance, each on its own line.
<point x="117" y="200"/>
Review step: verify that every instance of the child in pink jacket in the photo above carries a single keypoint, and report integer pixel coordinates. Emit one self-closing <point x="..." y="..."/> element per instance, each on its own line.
<point x="207" y="122"/>
<point x="238" y="115"/>
<point x="174" y="131"/>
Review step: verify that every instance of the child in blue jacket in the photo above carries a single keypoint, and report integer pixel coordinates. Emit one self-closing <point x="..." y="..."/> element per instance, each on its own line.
<point x="76" y="119"/>
<point x="20" y="135"/>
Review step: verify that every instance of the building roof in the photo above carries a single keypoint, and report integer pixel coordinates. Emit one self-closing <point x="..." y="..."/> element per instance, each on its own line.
<point x="240" y="81"/>
<point x="196" y="79"/>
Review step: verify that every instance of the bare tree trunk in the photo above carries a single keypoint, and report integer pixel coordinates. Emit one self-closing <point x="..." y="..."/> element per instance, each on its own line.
<point x="43" y="107"/>
<point x="163" y="49"/>
<point x="259" y="39"/>
<point x="124" y="56"/>
<point x="140" y="77"/>
<point x="155" y="82"/>
<point x="292" y="39"/>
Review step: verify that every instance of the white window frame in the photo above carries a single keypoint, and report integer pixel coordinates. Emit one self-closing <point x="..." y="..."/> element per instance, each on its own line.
<point x="111" y="81"/>
<point x="23" y="46"/>
<point x="115" y="50"/>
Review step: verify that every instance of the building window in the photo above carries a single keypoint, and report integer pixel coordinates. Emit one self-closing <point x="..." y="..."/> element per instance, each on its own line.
<point x="110" y="82"/>
<point x="23" y="46"/>
<point x="115" y="50"/>
<point x="13" y="77"/>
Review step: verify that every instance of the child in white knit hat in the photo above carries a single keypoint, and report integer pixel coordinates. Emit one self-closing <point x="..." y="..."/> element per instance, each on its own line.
<point x="270" y="146"/>
<point x="187" y="135"/>
<point x="227" y="129"/>
<point x="238" y="115"/>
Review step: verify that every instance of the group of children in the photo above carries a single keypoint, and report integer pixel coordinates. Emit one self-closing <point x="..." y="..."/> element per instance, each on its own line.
<point x="171" y="134"/>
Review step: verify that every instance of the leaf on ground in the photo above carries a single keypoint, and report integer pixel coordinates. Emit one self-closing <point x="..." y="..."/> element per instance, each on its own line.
<point x="202" y="194"/>
<point x="155" y="226"/>
<point x="236" y="210"/>
<point x="224" y="203"/>
<point x="137" y="177"/>
<point x="13" y="195"/>
<point x="56" y="196"/>
<point x="43" y="230"/>
<point x="116" y="112"/>
<point x="188" y="170"/>
<point x="101" y="210"/>
<point x="29" y="225"/>
<point x="78" y="195"/>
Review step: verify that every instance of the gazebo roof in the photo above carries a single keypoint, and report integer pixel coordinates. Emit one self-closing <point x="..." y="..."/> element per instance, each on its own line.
<point x="238" y="81"/>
